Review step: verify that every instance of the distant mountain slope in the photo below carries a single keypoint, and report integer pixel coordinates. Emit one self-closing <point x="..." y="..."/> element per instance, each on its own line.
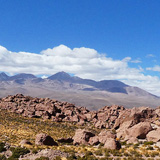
<point x="82" y="92"/>
<point x="108" y="85"/>
<point x="22" y="76"/>
<point x="3" y="76"/>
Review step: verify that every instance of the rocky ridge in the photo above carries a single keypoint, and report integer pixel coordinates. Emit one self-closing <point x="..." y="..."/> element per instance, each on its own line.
<point x="142" y="120"/>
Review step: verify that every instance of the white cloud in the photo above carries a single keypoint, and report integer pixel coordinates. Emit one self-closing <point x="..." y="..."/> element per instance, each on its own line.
<point x="44" y="76"/>
<point x="82" y="62"/>
<point x="136" y="61"/>
<point x="150" y="55"/>
<point x="126" y="59"/>
<point x="155" y="68"/>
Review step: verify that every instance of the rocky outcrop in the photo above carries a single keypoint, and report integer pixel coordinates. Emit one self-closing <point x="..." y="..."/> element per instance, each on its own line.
<point x="51" y="154"/>
<point x="44" y="139"/>
<point x="154" y="135"/>
<point x="107" y="116"/>
<point x="82" y="136"/>
<point x="44" y="108"/>
<point x="94" y="140"/>
<point x="104" y="135"/>
<point x="111" y="143"/>
<point x="139" y="130"/>
<point x="132" y="140"/>
<point x="60" y="111"/>
<point x="127" y="123"/>
<point x="135" y="115"/>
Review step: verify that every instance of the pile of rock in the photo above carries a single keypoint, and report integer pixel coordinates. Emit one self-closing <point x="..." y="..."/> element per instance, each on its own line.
<point x="108" y="138"/>
<point x="130" y="124"/>
<point x="45" y="108"/>
<point x="50" y="153"/>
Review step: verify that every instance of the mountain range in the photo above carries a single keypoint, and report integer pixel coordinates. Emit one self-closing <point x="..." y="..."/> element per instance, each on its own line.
<point x="83" y="92"/>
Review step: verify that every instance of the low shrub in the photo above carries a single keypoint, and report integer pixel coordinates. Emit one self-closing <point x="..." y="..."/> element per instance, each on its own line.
<point x="42" y="158"/>
<point x="2" y="148"/>
<point x="148" y="143"/>
<point x="19" y="151"/>
<point x="2" y="157"/>
<point x="99" y="152"/>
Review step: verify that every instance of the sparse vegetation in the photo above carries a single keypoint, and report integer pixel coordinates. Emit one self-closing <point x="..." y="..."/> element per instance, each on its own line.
<point x="42" y="158"/>
<point x="17" y="152"/>
<point x="15" y="128"/>
<point x="2" y="148"/>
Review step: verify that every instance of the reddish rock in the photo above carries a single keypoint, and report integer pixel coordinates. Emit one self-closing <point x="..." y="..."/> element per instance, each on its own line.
<point x="101" y="124"/>
<point x="75" y="118"/>
<point x="82" y="136"/>
<point x="38" y="113"/>
<point x="121" y="132"/>
<point x="20" y="111"/>
<point x="44" y="139"/>
<point x="105" y="134"/>
<point x="94" y="140"/>
<point x="88" y="116"/>
<point x="135" y="115"/>
<point x="68" y="112"/>
<point x="132" y="140"/>
<point x="28" y="114"/>
<point x="154" y="135"/>
<point x="81" y="122"/>
<point x="111" y="143"/>
<point x="139" y="130"/>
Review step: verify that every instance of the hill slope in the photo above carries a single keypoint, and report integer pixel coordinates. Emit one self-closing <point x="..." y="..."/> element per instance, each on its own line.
<point x="82" y="92"/>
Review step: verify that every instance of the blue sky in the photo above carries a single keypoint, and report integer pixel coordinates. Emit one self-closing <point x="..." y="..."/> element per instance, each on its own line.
<point x="122" y="31"/>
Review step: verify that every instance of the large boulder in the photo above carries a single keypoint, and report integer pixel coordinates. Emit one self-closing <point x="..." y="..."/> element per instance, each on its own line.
<point x="82" y="136"/>
<point x="104" y="135"/>
<point x="132" y="140"/>
<point x="101" y="124"/>
<point x="44" y="139"/>
<point x="121" y="132"/>
<point x="139" y="130"/>
<point x="135" y="115"/>
<point x="94" y="140"/>
<point x="50" y="153"/>
<point x="154" y="135"/>
<point x="109" y="114"/>
<point x="111" y="143"/>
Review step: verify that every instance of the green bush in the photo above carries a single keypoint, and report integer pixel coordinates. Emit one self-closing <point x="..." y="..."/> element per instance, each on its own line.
<point x="42" y="158"/>
<point x="2" y="157"/>
<point x="150" y="148"/>
<point x="148" y="143"/>
<point x="123" y="143"/>
<point x="2" y="147"/>
<point x="11" y="158"/>
<point x="34" y="151"/>
<point x="17" y="152"/>
<point x="57" y="158"/>
<point x="98" y="152"/>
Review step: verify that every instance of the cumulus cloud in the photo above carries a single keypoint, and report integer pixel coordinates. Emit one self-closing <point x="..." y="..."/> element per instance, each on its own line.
<point x="82" y="62"/>
<point x="155" y="68"/>
<point x="150" y="55"/>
